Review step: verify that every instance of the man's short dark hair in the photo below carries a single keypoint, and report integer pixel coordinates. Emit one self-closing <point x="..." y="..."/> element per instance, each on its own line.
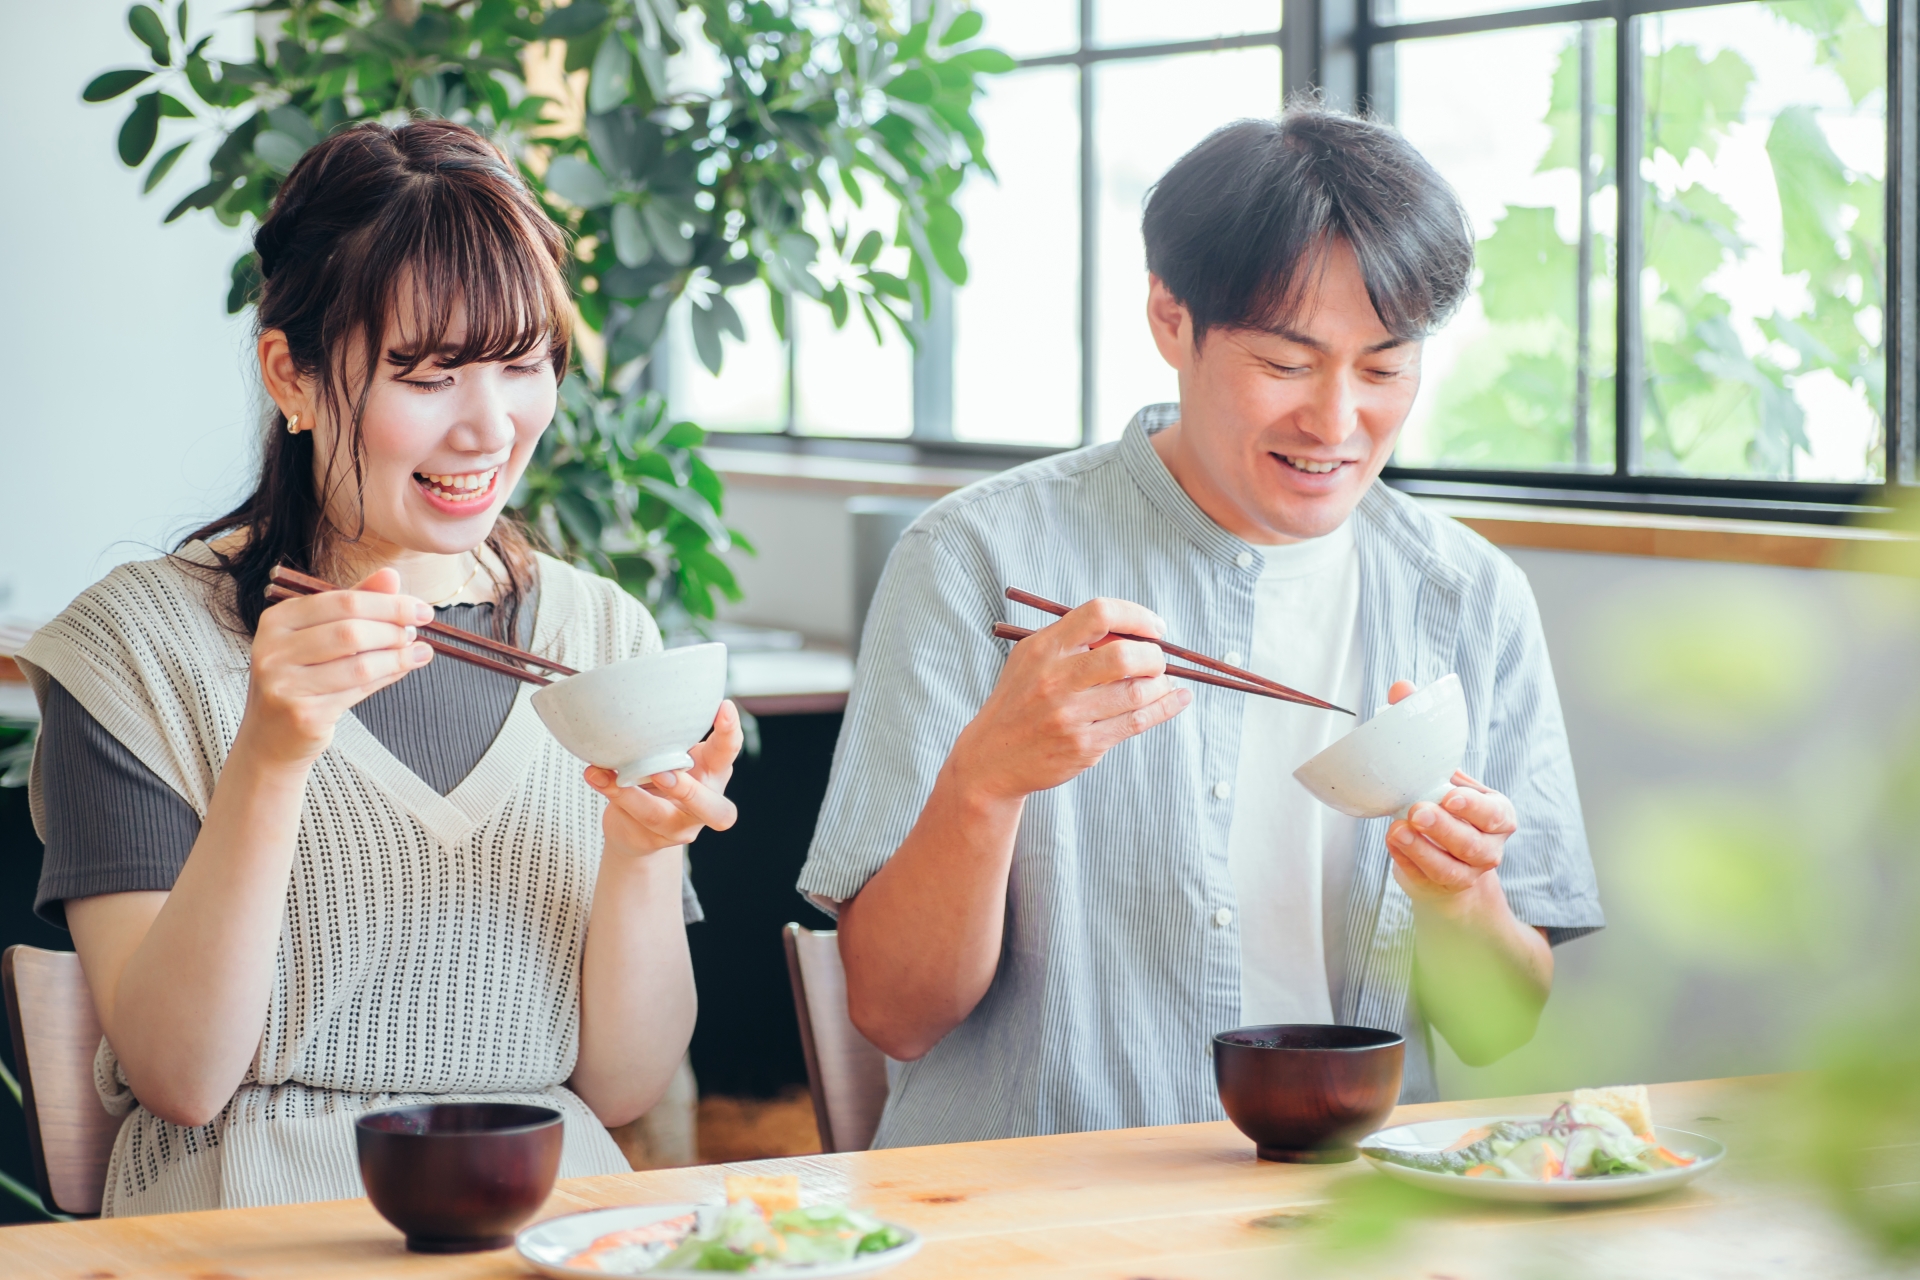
<point x="1238" y="229"/>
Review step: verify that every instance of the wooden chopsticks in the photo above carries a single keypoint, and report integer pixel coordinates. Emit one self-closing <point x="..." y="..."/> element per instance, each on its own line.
<point x="288" y="584"/>
<point x="1234" y="677"/>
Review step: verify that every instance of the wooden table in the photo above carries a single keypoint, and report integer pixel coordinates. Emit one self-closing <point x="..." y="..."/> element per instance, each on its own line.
<point x="1181" y="1201"/>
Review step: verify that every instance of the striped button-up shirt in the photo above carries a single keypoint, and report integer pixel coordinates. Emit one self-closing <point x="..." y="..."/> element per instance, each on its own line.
<point x="1118" y="964"/>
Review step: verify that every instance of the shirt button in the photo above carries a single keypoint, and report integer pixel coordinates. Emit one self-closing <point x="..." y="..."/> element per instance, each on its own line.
<point x="1233" y="658"/>
<point x="1223" y="917"/>
<point x="1221" y="791"/>
<point x="1244" y="559"/>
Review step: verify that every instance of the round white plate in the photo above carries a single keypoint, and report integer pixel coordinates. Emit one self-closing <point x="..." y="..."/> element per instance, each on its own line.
<point x="548" y="1245"/>
<point x="1438" y="1135"/>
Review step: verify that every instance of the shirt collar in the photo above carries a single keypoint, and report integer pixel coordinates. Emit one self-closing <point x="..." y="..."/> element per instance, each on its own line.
<point x="1165" y="493"/>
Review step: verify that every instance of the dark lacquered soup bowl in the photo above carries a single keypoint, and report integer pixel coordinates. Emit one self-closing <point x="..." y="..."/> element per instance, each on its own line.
<point x="457" y="1177"/>
<point x="1308" y="1093"/>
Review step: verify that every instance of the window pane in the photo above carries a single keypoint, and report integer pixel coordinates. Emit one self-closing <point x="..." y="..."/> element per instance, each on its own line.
<point x="751" y="392"/>
<point x="1016" y="365"/>
<point x="1522" y="376"/>
<point x="844" y="384"/>
<point x="1123" y="22"/>
<point x="1030" y="28"/>
<point x="1763" y="281"/>
<point x="1150" y="112"/>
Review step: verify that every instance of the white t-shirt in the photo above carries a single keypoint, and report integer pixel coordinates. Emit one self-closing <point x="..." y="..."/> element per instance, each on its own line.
<point x="1291" y="857"/>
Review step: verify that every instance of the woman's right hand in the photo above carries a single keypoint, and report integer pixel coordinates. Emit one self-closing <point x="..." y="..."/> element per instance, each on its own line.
<point x="314" y="658"/>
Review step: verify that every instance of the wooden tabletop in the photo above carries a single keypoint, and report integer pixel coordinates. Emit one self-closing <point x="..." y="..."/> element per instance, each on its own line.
<point x="1166" y="1203"/>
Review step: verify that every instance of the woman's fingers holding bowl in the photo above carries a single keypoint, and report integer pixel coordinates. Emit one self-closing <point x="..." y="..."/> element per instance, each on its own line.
<point x="669" y="807"/>
<point x="713" y="758"/>
<point x="706" y="805"/>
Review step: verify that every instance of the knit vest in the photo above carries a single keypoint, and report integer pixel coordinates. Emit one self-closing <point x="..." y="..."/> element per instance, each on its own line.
<point x="430" y="947"/>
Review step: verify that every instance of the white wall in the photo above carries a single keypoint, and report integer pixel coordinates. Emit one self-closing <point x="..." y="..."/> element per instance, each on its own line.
<point x="1735" y="729"/>
<point x="126" y="414"/>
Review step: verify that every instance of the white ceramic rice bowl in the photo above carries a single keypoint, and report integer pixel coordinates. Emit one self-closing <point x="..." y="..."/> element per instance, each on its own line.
<point x="1406" y="753"/>
<point x="639" y="716"/>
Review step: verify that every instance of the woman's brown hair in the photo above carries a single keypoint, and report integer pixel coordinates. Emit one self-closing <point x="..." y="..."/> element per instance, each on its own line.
<point x="431" y="207"/>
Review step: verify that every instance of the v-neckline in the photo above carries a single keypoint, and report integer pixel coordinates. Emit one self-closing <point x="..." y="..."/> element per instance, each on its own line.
<point x="493" y="778"/>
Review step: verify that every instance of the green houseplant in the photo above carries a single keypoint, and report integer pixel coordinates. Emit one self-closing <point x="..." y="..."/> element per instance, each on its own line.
<point x="674" y="194"/>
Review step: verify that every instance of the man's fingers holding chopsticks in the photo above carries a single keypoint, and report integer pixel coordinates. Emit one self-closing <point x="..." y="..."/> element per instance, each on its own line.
<point x="1091" y="624"/>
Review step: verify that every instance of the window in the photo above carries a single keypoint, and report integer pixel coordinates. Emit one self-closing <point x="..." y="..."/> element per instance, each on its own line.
<point x="1047" y="344"/>
<point x="1726" y="321"/>
<point x="1727" y="318"/>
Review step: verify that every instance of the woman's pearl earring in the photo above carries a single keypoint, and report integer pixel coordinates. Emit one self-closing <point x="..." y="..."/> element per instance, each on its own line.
<point x="293" y="425"/>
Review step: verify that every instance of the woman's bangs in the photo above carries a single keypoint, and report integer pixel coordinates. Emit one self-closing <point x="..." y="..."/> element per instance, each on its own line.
<point x="477" y="260"/>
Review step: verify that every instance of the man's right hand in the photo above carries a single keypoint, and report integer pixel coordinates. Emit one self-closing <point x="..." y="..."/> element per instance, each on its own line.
<point x="1068" y="694"/>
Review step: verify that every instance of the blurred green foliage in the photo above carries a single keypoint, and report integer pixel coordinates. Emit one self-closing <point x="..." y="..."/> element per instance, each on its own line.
<point x="713" y="134"/>
<point x="1711" y="405"/>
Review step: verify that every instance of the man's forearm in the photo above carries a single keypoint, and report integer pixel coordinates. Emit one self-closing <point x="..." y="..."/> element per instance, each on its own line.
<point x="1481" y="976"/>
<point x="921" y="941"/>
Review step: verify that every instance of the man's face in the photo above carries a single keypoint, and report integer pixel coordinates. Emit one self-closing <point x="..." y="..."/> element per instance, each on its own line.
<point x="1282" y="431"/>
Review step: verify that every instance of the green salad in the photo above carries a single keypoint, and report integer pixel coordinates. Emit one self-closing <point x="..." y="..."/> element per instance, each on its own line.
<point x="1574" y="1142"/>
<point x="740" y="1238"/>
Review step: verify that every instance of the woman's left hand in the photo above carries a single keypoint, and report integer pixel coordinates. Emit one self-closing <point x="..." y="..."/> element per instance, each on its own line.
<point x="670" y="809"/>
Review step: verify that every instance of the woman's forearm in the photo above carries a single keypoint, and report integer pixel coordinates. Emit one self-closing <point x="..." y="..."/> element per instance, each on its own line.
<point x="637" y="1001"/>
<point x="921" y="941"/>
<point x="182" y="979"/>
<point x="1481" y="976"/>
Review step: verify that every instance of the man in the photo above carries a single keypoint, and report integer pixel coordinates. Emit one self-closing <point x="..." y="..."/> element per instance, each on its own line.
<point x="1057" y="871"/>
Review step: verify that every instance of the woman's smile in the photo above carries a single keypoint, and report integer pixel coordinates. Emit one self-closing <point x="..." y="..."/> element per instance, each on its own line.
<point x="458" y="493"/>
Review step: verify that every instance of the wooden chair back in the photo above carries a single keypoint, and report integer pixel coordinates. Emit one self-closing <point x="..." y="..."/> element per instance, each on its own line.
<point x="846" y="1074"/>
<point x="55" y="1036"/>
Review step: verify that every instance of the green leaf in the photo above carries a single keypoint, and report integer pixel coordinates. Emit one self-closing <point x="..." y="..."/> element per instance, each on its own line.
<point x="625" y="142"/>
<point x="174" y="109"/>
<point x="162" y="167"/>
<point x="706" y="338"/>
<point x="1527" y="269"/>
<point x="889" y="284"/>
<point x="200" y="198"/>
<point x="295" y="123"/>
<point x="944" y="229"/>
<point x="639" y="332"/>
<point x="180" y="19"/>
<point x="912" y="85"/>
<point x="243" y="282"/>
<point x="150" y="31"/>
<point x="684" y="435"/>
<point x="111" y="84"/>
<point x="965" y="26"/>
<point x="580" y="517"/>
<point x="1694" y="102"/>
<point x="577" y="182"/>
<point x="729" y="318"/>
<point x="665" y="231"/>
<point x="612" y="76"/>
<point x="869" y="249"/>
<point x="986" y="62"/>
<point x="577" y="19"/>
<point x="693" y="507"/>
<point x="277" y="150"/>
<point x="141" y="127"/>
<point x="630" y="243"/>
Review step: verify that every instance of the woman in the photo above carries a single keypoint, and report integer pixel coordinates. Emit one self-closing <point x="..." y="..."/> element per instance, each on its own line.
<point x="309" y="871"/>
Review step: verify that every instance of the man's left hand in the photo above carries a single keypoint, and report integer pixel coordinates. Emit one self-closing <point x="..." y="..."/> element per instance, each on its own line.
<point x="1442" y="852"/>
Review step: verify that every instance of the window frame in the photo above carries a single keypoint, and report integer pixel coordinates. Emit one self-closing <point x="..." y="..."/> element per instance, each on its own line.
<point x="1333" y="48"/>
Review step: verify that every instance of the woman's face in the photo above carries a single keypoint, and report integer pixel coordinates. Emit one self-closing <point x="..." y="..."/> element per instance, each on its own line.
<point x="443" y="446"/>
